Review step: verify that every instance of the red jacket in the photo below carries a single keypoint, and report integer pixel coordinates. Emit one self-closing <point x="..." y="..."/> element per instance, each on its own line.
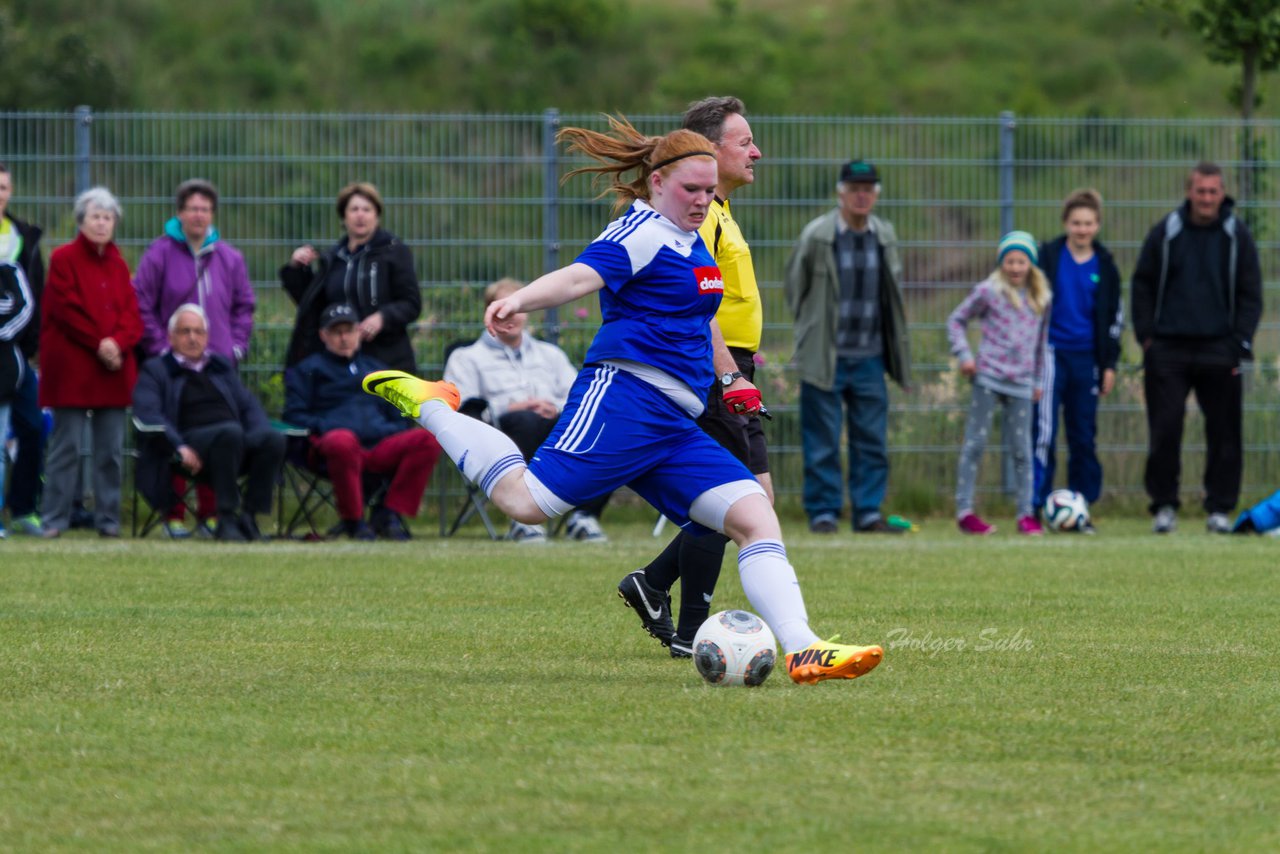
<point x="87" y="297"/>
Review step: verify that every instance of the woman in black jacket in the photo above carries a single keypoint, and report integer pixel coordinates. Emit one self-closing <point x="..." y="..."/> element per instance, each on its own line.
<point x="369" y="269"/>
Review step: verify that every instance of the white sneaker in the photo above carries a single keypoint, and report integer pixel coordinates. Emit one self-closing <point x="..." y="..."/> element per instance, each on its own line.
<point x="524" y="534"/>
<point x="1218" y="523"/>
<point x="584" y="528"/>
<point x="1166" y="521"/>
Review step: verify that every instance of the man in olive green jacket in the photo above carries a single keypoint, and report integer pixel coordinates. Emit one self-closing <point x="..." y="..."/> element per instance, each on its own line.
<point x="843" y="288"/>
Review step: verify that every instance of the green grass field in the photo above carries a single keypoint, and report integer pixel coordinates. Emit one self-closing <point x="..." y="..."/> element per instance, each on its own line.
<point x="1081" y="694"/>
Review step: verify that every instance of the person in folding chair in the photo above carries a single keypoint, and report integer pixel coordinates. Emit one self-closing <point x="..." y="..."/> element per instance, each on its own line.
<point x="353" y="434"/>
<point x="201" y="420"/>
<point x="525" y="383"/>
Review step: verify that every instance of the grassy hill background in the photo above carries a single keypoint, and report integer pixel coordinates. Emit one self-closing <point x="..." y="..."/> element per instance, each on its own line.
<point x="847" y="57"/>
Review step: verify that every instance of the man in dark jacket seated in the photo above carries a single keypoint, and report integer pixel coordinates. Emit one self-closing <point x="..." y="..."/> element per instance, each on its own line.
<point x="198" y="416"/>
<point x="355" y="433"/>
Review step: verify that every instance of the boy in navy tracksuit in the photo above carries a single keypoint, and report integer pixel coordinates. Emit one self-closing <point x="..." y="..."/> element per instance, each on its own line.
<point x="1085" y="323"/>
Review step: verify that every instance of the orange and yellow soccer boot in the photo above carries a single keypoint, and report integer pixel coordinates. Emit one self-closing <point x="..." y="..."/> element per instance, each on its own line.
<point x="830" y="660"/>
<point x="407" y="393"/>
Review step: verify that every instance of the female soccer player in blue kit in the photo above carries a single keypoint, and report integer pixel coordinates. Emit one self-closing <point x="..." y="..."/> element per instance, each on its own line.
<point x="630" y="416"/>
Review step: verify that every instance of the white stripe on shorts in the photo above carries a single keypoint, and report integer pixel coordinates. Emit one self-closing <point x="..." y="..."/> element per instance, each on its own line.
<point x="577" y="432"/>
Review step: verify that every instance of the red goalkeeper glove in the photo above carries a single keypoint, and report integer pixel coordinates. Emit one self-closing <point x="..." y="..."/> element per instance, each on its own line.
<point x="744" y="401"/>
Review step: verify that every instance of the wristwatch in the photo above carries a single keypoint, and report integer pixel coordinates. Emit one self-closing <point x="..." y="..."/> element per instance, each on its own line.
<point x="727" y="379"/>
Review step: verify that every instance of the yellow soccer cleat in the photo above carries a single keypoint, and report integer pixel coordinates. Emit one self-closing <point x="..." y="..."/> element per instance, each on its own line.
<point x="830" y="660"/>
<point x="407" y="393"/>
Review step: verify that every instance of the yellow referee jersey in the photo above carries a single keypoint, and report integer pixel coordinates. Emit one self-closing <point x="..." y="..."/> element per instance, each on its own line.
<point x="741" y="316"/>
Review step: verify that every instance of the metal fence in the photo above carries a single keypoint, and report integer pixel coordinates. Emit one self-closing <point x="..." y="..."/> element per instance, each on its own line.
<point x="478" y="197"/>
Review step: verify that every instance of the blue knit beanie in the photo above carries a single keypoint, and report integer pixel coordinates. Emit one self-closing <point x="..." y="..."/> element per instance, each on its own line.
<point x="1019" y="240"/>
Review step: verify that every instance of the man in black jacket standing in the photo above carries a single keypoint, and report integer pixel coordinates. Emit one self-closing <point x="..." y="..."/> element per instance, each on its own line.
<point x="1196" y="302"/>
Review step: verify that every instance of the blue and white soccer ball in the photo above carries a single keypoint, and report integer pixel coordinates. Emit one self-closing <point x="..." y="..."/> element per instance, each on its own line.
<point x="734" y="648"/>
<point x="1066" y="510"/>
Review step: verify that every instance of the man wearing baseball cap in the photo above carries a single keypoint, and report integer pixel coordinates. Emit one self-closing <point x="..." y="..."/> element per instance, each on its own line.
<point x="353" y="433"/>
<point x="843" y="286"/>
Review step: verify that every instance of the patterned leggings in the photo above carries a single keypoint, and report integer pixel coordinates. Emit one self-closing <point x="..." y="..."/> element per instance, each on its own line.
<point x="1017" y="438"/>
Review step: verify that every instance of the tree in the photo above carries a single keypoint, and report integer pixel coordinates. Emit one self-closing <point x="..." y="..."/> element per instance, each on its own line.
<point x="1245" y="32"/>
<point x="54" y="66"/>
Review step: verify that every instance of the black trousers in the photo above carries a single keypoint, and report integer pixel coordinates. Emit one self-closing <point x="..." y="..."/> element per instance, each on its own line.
<point x="228" y="452"/>
<point x="529" y="430"/>
<point x="1170" y="372"/>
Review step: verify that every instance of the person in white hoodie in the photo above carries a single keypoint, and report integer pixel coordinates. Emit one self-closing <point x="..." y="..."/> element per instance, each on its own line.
<point x="525" y="382"/>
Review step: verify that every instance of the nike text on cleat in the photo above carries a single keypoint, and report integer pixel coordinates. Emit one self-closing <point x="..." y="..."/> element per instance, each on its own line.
<point x="407" y="393"/>
<point x="829" y="660"/>
<point x="652" y="606"/>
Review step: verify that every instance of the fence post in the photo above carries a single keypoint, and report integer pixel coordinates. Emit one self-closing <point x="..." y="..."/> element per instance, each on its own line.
<point x="551" y="211"/>
<point x="84" y="118"/>
<point x="1007" y="125"/>
<point x="1008" y="122"/>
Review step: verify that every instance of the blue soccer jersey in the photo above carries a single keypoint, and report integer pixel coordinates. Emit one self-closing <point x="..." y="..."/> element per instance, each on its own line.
<point x="661" y="290"/>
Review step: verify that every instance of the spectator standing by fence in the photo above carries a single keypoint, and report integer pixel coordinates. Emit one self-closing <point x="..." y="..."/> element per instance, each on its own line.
<point x="369" y="269"/>
<point x="1085" y="321"/>
<point x="1012" y="305"/>
<point x="17" y="307"/>
<point x="843" y="287"/>
<point x="88" y="331"/>
<point x="20" y="244"/>
<point x="1196" y="303"/>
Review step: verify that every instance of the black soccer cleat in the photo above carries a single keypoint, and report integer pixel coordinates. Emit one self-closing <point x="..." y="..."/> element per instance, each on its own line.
<point x="681" y="648"/>
<point x="653" y="607"/>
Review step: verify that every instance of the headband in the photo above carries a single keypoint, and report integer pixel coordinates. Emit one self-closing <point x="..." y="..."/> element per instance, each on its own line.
<point x="655" y="167"/>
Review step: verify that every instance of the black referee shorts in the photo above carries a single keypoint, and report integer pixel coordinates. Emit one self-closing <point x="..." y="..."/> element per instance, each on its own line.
<point x="741" y="436"/>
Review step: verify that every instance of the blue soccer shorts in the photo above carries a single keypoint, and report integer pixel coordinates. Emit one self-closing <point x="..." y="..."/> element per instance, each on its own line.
<point x="618" y="430"/>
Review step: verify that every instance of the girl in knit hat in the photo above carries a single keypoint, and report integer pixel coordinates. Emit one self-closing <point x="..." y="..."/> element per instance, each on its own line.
<point x="1011" y="307"/>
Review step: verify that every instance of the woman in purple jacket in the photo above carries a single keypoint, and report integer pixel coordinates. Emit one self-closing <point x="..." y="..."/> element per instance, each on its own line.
<point x="191" y="264"/>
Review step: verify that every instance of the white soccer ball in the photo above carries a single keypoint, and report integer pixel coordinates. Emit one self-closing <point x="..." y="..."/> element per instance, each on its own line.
<point x="734" y="648"/>
<point x="1065" y="510"/>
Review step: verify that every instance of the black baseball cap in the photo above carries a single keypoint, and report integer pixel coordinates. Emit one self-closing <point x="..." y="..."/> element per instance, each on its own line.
<point x="338" y="313"/>
<point x="859" y="172"/>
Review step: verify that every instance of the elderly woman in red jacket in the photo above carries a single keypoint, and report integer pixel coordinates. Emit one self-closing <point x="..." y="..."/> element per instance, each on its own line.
<point x="89" y="328"/>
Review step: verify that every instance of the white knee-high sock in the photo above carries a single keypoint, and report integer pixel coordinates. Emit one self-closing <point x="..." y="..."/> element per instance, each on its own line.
<point x="770" y="583"/>
<point x="482" y="453"/>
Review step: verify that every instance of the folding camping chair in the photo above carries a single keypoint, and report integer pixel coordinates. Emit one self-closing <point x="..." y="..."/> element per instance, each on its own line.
<point x="309" y="483"/>
<point x="149" y="439"/>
